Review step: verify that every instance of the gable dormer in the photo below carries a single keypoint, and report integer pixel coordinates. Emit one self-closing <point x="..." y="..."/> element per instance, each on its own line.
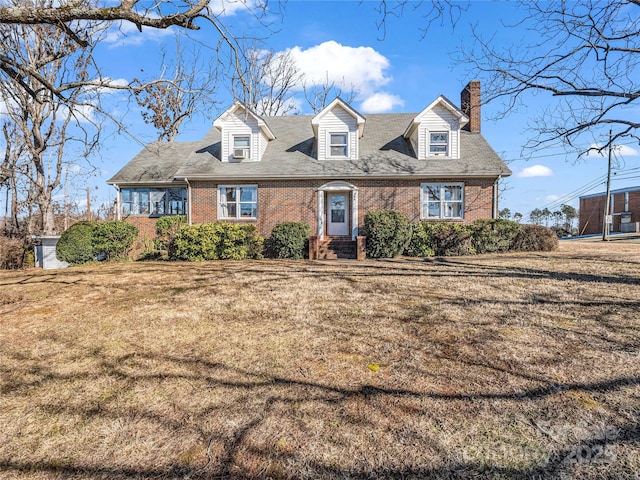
<point x="337" y="130"/>
<point x="244" y="135"/>
<point x="435" y="132"/>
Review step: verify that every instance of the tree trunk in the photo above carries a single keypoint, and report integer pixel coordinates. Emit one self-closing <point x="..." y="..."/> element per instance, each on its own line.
<point x="45" y="208"/>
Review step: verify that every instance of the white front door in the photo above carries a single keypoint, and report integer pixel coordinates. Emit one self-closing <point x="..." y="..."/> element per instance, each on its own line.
<point x="338" y="214"/>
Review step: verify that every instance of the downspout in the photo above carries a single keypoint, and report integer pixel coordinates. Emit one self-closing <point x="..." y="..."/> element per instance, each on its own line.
<point x="188" y="201"/>
<point x="118" y="203"/>
<point x="495" y="197"/>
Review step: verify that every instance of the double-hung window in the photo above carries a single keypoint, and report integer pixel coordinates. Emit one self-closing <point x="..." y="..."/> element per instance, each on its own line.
<point x="442" y="200"/>
<point x="242" y="147"/>
<point x="439" y="143"/>
<point x="238" y="202"/>
<point x="338" y="145"/>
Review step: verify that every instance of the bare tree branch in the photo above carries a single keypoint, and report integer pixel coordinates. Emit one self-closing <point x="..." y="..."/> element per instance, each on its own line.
<point x="585" y="54"/>
<point x="134" y="11"/>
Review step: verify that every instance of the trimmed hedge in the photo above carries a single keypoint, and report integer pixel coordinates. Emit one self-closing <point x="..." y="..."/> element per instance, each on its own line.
<point x="388" y="233"/>
<point x="113" y="240"/>
<point x="535" y="238"/>
<point x="75" y="245"/>
<point x="289" y="240"/>
<point x="494" y="235"/>
<point x="217" y="241"/>
<point x="440" y="239"/>
<point x="483" y="236"/>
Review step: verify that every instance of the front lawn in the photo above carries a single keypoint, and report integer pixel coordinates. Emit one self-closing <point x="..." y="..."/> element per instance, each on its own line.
<point x="497" y="366"/>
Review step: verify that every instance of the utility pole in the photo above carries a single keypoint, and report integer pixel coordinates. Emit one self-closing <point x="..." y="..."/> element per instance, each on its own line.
<point x="607" y="201"/>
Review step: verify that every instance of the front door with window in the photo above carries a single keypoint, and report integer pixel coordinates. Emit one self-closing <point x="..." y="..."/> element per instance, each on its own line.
<point x="338" y="214"/>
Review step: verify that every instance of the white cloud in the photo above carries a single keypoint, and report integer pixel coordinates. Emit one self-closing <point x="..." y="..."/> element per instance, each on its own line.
<point x="127" y="34"/>
<point x="621" y="150"/>
<point x="554" y="198"/>
<point x="535" y="171"/>
<point x="626" y="151"/>
<point x="380" y="103"/>
<point x="230" y="7"/>
<point x="359" y="67"/>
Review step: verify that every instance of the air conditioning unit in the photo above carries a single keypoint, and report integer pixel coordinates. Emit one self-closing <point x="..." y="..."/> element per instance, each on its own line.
<point x="240" y="153"/>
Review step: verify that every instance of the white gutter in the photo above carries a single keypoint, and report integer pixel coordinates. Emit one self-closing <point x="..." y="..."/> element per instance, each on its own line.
<point x="118" y="202"/>
<point x="188" y="201"/>
<point x="495" y="197"/>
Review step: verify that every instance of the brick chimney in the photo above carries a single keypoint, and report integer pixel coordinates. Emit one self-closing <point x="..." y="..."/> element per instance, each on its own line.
<point x="470" y="104"/>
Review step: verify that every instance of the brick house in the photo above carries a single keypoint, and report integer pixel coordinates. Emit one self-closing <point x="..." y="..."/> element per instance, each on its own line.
<point x="624" y="207"/>
<point x="328" y="169"/>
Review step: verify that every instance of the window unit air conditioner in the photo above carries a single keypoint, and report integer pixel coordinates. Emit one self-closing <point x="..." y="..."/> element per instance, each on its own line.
<point x="240" y="153"/>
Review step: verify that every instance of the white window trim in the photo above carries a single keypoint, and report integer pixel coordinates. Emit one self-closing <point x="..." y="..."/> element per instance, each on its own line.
<point x="238" y="202"/>
<point x="447" y="145"/>
<point x="423" y="199"/>
<point x="329" y="145"/>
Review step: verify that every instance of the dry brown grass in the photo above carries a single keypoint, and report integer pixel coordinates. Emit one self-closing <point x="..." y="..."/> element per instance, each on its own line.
<point x="509" y="366"/>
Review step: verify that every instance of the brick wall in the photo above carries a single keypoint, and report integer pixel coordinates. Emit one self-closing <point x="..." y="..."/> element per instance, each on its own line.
<point x="592" y="210"/>
<point x="146" y="233"/>
<point x="297" y="200"/>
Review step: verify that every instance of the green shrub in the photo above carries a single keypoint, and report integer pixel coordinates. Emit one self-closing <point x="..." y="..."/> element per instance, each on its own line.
<point x="166" y="229"/>
<point x="441" y="239"/>
<point x="216" y="241"/>
<point x="494" y="235"/>
<point x="289" y="240"/>
<point x="254" y="242"/>
<point x="388" y="233"/>
<point x="76" y="244"/>
<point x="422" y="242"/>
<point x="196" y="242"/>
<point x="113" y="240"/>
<point x="535" y="238"/>
<point x="452" y="239"/>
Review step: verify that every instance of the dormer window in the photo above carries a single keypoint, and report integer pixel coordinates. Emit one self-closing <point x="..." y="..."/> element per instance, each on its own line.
<point x="337" y="130"/>
<point x="241" y="147"/>
<point x="338" y="144"/>
<point x="439" y="143"/>
<point x="244" y="134"/>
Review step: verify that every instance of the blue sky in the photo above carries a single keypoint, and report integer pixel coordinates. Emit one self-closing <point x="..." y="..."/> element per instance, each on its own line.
<point x="402" y="72"/>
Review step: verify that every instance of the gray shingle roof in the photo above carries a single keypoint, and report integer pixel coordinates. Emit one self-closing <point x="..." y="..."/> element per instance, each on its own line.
<point x="383" y="153"/>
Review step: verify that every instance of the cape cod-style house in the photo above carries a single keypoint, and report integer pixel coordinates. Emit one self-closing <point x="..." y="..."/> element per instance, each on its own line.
<point x="327" y="169"/>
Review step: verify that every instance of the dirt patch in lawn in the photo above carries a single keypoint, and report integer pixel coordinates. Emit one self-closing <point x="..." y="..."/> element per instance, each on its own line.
<point x="500" y="366"/>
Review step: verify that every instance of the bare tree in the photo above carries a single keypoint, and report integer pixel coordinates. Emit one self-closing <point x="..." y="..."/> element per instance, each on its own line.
<point x="319" y="95"/>
<point x="8" y="176"/>
<point x="585" y="54"/>
<point x="47" y="127"/>
<point x="431" y="11"/>
<point x="68" y="16"/>
<point x="188" y="90"/>
<point x="267" y="81"/>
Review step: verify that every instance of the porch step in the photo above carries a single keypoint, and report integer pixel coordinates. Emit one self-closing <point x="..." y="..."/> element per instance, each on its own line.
<point x="336" y="247"/>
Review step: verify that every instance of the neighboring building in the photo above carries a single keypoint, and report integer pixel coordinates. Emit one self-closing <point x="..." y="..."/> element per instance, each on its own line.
<point x="328" y="170"/>
<point x="624" y="208"/>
